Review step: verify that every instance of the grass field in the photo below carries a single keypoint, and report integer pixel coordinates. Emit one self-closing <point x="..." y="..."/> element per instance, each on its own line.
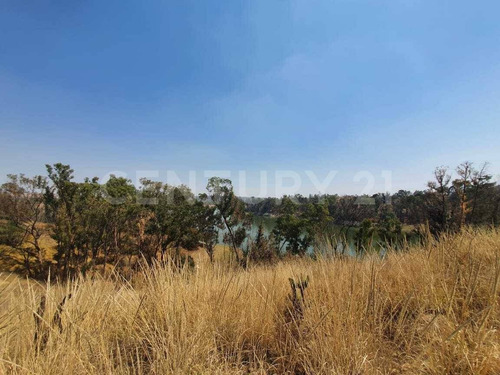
<point x="431" y="309"/>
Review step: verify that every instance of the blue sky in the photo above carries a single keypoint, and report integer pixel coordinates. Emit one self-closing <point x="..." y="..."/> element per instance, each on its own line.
<point x="320" y="85"/>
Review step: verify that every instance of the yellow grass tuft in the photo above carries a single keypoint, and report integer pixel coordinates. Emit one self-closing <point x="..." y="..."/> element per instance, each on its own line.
<point x="432" y="309"/>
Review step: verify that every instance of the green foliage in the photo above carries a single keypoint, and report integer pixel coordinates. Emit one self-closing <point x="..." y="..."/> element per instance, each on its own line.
<point x="10" y="234"/>
<point x="22" y="211"/>
<point x="292" y="234"/>
<point x="174" y="215"/>
<point x="389" y="228"/>
<point x="231" y="211"/>
<point x="208" y="224"/>
<point x="98" y="224"/>
<point x="364" y="236"/>
<point x="261" y="249"/>
<point x="60" y="201"/>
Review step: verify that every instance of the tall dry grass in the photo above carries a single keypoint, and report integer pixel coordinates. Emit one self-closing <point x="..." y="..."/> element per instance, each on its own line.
<point x="432" y="309"/>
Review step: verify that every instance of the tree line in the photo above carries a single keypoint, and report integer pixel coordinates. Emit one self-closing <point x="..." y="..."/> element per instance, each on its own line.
<point x="111" y="223"/>
<point x="97" y="224"/>
<point x="453" y="199"/>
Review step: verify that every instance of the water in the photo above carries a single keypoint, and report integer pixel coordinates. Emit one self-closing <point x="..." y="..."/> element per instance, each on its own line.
<point x="268" y="224"/>
<point x="347" y="247"/>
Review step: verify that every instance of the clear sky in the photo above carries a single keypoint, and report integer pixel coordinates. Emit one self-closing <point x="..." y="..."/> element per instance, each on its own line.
<point x="319" y="85"/>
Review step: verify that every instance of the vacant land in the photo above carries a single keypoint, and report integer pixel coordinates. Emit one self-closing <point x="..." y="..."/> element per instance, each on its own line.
<point x="431" y="309"/>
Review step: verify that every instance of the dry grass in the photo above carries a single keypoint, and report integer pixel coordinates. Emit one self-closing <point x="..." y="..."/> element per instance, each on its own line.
<point x="429" y="310"/>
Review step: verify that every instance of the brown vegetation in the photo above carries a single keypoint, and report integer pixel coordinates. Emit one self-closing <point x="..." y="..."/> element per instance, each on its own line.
<point x="432" y="309"/>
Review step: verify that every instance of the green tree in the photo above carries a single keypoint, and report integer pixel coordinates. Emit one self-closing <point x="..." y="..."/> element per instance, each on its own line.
<point x="260" y="249"/>
<point x="119" y="215"/>
<point x="21" y="206"/>
<point x="208" y="225"/>
<point x="364" y="236"/>
<point x="231" y="210"/>
<point x="173" y="221"/>
<point x="389" y="227"/>
<point x="60" y="203"/>
<point x="292" y="233"/>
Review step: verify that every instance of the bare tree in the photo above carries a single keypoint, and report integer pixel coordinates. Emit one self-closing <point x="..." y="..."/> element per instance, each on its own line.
<point x="461" y="186"/>
<point x="440" y="189"/>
